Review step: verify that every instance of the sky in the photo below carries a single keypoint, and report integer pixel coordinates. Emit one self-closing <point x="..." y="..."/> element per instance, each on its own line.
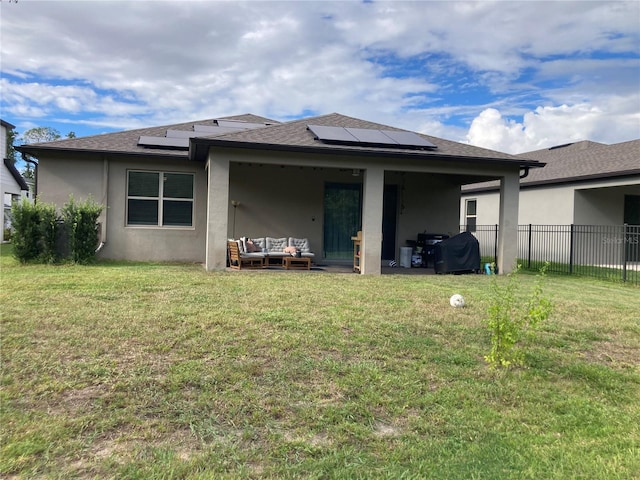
<point x="513" y="76"/>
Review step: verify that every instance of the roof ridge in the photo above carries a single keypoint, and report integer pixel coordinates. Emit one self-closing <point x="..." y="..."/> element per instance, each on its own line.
<point x="170" y="126"/>
<point x="587" y="145"/>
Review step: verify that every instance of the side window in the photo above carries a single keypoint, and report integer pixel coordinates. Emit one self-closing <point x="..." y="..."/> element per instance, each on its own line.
<point x="470" y="215"/>
<point x="160" y="199"/>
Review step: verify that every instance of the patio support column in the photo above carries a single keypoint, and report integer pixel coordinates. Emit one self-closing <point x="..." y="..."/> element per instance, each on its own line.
<point x="508" y="228"/>
<point x="217" y="212"/>
<point x="372" y="202"/>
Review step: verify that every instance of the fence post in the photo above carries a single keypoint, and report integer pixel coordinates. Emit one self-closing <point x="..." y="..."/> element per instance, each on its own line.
<point x="529" y="250"/>
<point x="571" y="250"/>
<point x="624" y="251"/>
<point x="495" y="246"/>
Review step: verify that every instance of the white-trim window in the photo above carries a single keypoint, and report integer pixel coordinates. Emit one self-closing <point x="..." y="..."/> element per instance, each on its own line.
<point x="163" y="199"/>
<point x="471" y="208"/>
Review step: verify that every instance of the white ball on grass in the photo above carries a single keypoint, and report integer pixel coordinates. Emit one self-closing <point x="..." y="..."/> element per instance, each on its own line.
<point x="456" y="300"/>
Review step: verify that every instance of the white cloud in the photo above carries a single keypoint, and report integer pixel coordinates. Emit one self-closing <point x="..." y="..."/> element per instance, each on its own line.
<point x="123" y="64"/>
<point x="549" y="126"/>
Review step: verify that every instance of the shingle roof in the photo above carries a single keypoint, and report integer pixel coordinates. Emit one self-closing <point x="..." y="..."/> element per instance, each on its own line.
<point x="577" y="161"/>
<point x="126" y="142"/>
<point x="295" y="134"/>
<point x="16" y="175"/>
<point x="289" y="135"/>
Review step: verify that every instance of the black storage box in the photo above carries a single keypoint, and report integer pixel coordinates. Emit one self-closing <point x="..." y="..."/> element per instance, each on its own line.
<point x="458" y="254"/>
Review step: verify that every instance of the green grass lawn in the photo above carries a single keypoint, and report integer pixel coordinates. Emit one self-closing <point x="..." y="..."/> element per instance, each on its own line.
<point x="122" y="370"/>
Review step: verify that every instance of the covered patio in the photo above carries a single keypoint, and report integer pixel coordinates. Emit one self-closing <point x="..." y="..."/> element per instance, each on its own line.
<point x="276" y="181"/>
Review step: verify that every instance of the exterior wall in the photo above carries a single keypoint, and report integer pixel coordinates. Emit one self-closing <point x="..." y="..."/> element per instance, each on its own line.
<point x="595" y="203"/>
<point x="539" y="206"/>
<point x="280" y="201"/>
<point x="180" y="244"/>
<point x="487" y="207"/>
<point x="3" y="142"/>
<point x="60" y="177"/>
<point x="10" y="191"/>
<point x="550" y="205"/>
<point x="603" y="203"/>
<point x="277" y="194"/>
<point x="287" y="201"/>
<point x="105" y="179"/>
<point x="428" y="204"/>
<point x="9" y="184"/>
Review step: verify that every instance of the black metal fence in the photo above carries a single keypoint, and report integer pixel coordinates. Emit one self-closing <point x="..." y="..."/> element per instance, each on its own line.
<point x="602" y="251"/>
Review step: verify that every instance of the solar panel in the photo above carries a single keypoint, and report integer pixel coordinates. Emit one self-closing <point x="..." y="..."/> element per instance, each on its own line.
<point x="171" y="142"/>
<point x="409" y="139"/>
<point x="370" y="136"/>
<point x="332" y="134"/>
<point x="179" y="139"/>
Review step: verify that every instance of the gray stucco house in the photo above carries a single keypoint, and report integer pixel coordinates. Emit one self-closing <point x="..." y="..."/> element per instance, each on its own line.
<point x="178" y="192"/>
<point x="583" y="183"/>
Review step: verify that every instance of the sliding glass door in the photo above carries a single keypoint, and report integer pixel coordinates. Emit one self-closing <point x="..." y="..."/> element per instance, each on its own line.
<point x="342" y="219"/>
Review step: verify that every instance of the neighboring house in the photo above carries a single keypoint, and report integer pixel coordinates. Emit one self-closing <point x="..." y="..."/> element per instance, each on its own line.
<point x="12" y="186"/>
<point x="583" y="183"/>
<point x="178" y="192"/>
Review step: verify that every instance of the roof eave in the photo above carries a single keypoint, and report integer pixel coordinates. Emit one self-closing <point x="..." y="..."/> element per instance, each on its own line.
<point x="198" y="151"/>
<point x="560" y="181"/>
<point x="35" y="151"/>
<point x="16" y="175"/>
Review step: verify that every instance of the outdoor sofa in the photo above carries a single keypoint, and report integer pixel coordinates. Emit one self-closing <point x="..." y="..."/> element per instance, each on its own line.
<point x="289" y="252"/>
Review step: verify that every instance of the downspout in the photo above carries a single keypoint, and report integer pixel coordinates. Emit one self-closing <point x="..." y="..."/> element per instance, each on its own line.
<point x="105" y="202"/>
<point x="29" y="159"/>
<point x="524" y="174"/>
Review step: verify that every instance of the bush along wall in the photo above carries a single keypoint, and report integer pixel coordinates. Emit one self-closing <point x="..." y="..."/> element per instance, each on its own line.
<point x="81" y="220"/>
<point x="26" y="231"/>
<point x="41" y="235"/>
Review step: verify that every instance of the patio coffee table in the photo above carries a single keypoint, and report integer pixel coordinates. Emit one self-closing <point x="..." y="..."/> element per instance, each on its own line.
<point x="302" y="263"/>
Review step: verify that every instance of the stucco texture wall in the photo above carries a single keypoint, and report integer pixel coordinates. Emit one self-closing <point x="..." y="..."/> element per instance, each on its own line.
<point x="283" y="201"/>
<point x="105" y="180"/>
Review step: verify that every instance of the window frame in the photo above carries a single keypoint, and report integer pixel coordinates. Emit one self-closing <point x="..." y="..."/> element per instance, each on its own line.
<point x="160" y="199"/>
<point x="467" y="215"/>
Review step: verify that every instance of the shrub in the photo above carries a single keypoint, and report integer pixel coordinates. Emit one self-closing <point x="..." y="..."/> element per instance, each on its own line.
<point x="48" y="227"/>
<point x="26" y="231"/>
<point x="38" y="229"/>
<point x="511" y="319"/>
<point x="81" y="220"/>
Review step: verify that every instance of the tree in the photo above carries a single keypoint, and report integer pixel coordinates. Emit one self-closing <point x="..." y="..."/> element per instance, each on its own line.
<point x="33" y="135"/>
<point x="40" y="134"/>
<point x="11" y="151"/>
<point x="28" y="172"/>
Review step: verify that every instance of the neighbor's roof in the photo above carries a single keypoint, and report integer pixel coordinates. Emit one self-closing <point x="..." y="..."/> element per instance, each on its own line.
<point x="580" y="161"/>
<point x="290" y="136"/>
<point x="16" y="175"/>
<point x="6" y="124"/>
